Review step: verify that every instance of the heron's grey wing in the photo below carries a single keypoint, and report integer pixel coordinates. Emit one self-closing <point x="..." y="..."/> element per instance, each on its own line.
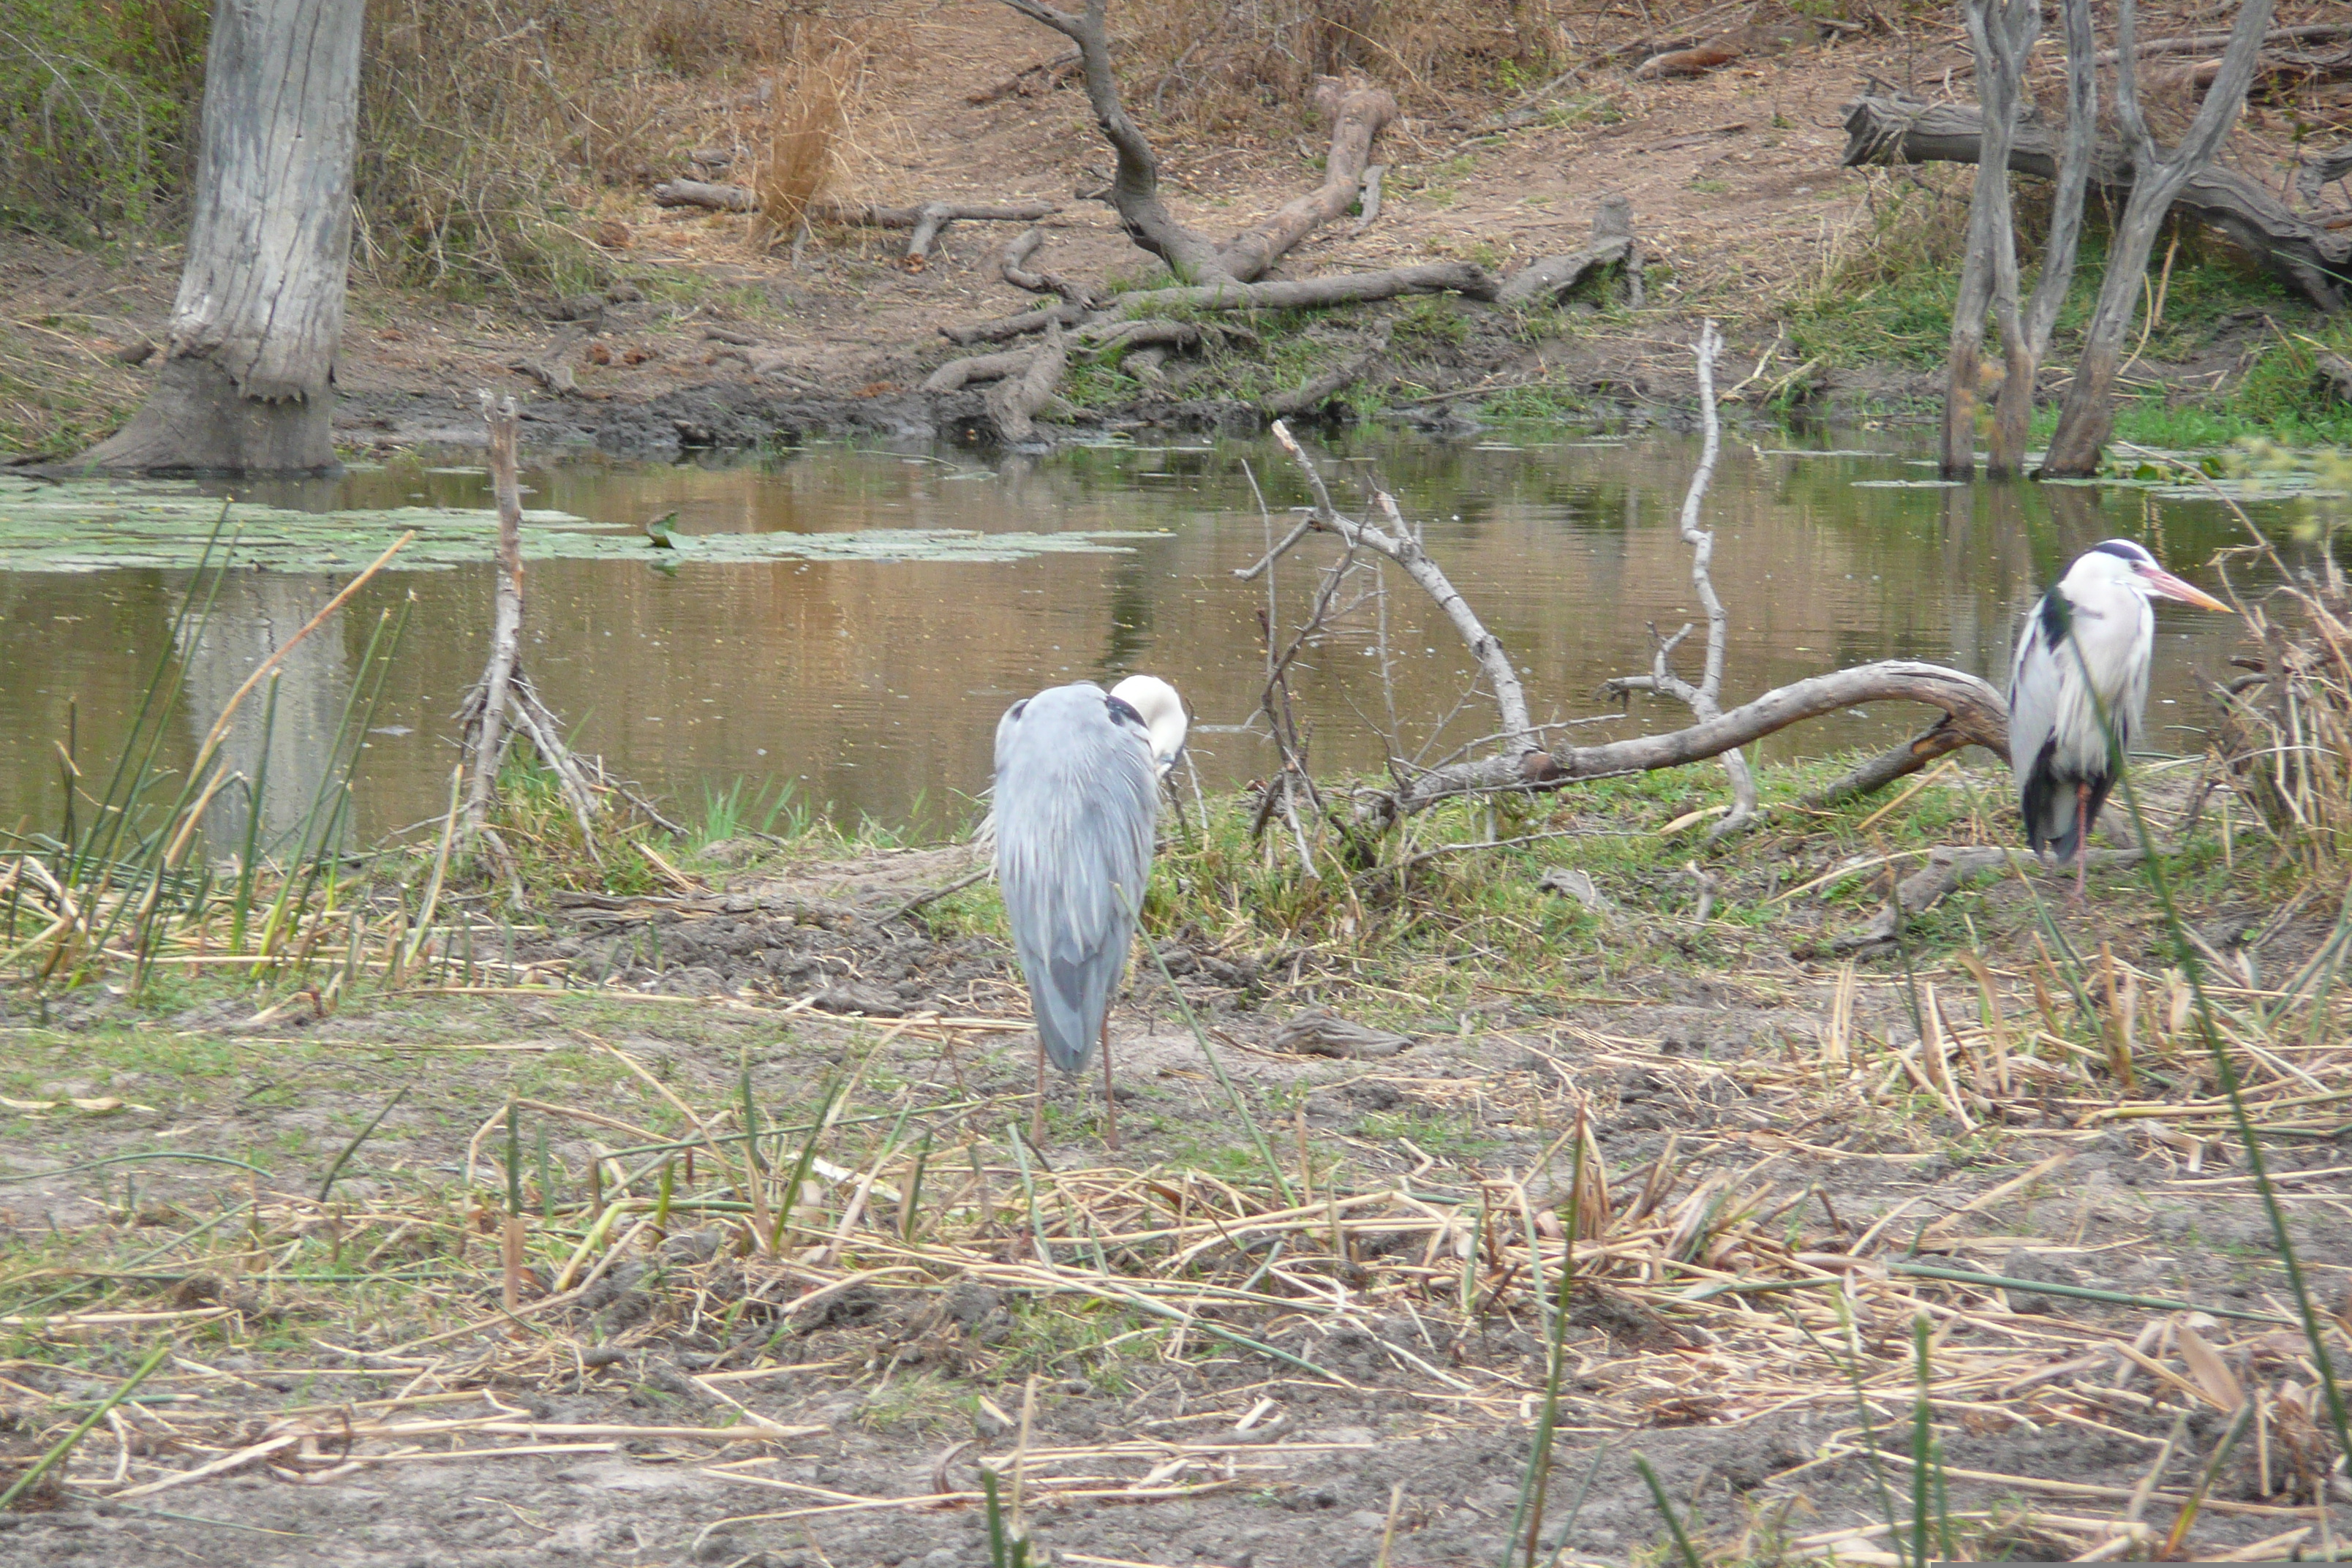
<point x="2039" y="679"/>
<point x="1076" y="794"/>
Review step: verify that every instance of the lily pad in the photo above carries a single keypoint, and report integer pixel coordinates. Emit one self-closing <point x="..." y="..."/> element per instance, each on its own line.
<point x="107" y="525"/>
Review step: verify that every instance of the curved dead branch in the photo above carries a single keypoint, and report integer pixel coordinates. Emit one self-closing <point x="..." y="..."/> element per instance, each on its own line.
<point x="1970" y="704"/>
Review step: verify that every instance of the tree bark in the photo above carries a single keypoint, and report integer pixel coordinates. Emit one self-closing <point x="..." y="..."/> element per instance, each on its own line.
<point x="246" y="385"/>
<point x="2001" y="32"/>
<point x="1356" y="117"/>
<point x="1135" y="177"/>
<point x="2088" y="415"/>
<point x="2306" y="258"/>
<point x="2024" y="340"/>
<point x="485" y="746"/>
<point x="1978" y="711"/>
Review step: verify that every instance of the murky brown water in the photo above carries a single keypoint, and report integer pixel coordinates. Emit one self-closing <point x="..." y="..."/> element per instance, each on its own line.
<point x="874" y="688"/>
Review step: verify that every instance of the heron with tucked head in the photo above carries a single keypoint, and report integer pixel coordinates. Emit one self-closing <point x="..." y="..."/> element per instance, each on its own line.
<point x="1076" y="801"/>
<point x="2082" y="672"/>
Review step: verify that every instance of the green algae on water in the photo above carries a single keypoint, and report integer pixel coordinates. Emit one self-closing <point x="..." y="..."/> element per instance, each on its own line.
<point x="100" y="525"/>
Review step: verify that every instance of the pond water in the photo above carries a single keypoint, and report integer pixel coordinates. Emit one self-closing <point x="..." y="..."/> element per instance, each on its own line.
<point x="873" y="685"/>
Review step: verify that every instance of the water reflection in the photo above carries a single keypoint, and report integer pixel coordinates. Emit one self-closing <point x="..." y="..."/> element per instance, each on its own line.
<point x="874" y="688"/>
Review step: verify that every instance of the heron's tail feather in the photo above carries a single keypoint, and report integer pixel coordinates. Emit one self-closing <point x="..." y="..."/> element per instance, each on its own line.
<point x="1069" y="1000"/>
<point x="2047" y="805"/>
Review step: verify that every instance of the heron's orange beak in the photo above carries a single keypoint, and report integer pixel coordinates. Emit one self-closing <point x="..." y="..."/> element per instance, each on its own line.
<point x="2163" y="582"/>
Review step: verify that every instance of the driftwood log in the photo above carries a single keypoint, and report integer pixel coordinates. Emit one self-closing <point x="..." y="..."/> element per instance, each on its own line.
<point x="1612" y="244"/>
<point x="2312" y="260"/>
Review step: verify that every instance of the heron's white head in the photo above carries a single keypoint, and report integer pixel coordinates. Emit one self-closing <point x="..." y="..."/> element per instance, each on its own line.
<point x="2121" y="563"/>
<point x="1162" y="712"/>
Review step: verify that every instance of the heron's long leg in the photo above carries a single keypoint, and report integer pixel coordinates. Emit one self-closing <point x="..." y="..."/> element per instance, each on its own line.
<point x="1110" y="1100"/>
<point x="1037" y="1113"/>
<point x="2081" y="837"/>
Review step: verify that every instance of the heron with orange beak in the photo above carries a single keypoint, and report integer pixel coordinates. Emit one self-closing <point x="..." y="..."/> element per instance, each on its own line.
<point x="2078" y="690"/>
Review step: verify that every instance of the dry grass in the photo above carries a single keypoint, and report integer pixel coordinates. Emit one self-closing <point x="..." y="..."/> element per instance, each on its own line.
<point x="1736" y="1290"/>
<point x="803" y="135"/>
<point x="2286" y="729"/>
<point x="1216" y="67"/>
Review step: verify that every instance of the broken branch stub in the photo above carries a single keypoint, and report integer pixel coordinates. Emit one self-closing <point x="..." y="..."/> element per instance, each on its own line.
<point x="1612" y="244"/>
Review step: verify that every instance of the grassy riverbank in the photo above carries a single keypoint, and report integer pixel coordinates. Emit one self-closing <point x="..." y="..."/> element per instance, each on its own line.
<point x="715" y="1160"/>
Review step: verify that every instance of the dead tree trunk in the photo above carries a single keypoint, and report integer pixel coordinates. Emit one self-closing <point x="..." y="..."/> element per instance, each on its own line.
<point x="2025" y="338"/>
<point x="1358" y="115"/>
<point x="503" y="701"/>
<point x="246" y="385"/>
<point x="1135" y="177"/>
<point x="2002" y="32"/>
<point x="1706" y="699"/>
<point x="2088" y="415"/>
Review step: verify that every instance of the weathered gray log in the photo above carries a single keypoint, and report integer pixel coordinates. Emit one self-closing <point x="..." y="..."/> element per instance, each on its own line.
<point x="1612" y="242"/>
<point x="1068" y="313"/>
<point x="702" y="194"/>
<point x="1344" y="289"/>
<point x="959" y="373"/>
<point x="2311" y="260"/>
<point x="1011" y="402"/>
<point x="1316" y="391"/>
<point x="1974" y="706"/>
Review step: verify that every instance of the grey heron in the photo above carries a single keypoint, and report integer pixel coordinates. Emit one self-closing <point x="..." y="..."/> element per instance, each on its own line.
<point x="1077" y="794"/>
<point x="2081" y="667"/>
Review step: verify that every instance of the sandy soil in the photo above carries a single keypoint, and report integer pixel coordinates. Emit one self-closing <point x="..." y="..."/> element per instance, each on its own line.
<point x="1733" y="178"/>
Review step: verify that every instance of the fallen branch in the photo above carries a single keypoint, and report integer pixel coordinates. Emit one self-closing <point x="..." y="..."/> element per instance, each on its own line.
<point x="2308" y="258"/>
<point x="702" y="194"/>
<point x="1345" y="289"/>
<point x="925" y="219"/>
<point x="1014" y="265"/>
<point x="1065" y="314"/>
<point x="1936" y="741"/>
<point x="1358" y="113"/>
<point x="1402" y="547"/>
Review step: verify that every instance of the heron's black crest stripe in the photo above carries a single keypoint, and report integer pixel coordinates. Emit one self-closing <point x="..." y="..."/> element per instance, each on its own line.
<point x="1017" y="707"/>
<point x="1121" y="708"/>
<point x="2057" y="617"/>
<point x="2124" y="549"/>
